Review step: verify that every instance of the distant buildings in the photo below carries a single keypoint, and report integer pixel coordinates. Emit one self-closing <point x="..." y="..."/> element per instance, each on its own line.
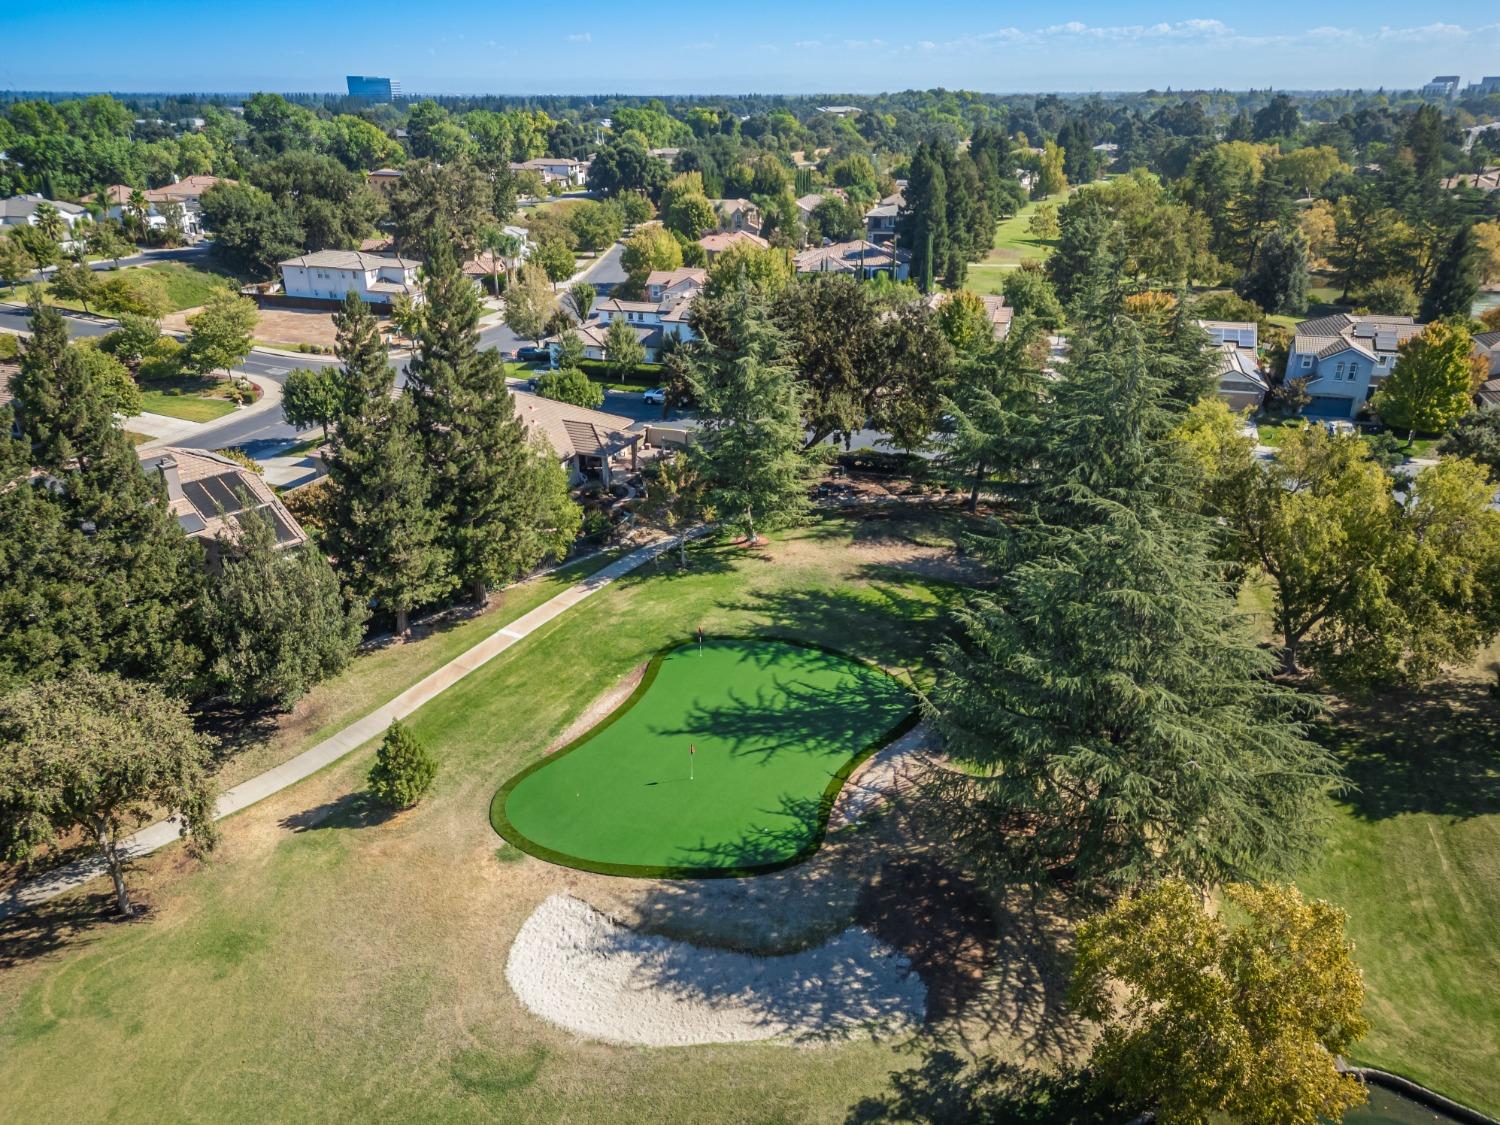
<point x="1443" y="86"/>
<point x="1490" y="84"/>
<point x="373" y="89"/>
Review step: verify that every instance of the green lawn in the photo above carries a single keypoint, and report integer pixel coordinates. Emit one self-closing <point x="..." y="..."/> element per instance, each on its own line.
<point x="1414" y="856"/>
<point x="1013" y="243"/>
<point x="727" y="761"/>
<point x="1273" y="432"/>
<point x="188" y="407"/>
<point x="335" y="964"/>
<point x="187" y="286"/>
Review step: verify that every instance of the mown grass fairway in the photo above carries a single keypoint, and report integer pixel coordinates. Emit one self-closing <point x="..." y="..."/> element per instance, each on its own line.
<point x="725" y="761"/>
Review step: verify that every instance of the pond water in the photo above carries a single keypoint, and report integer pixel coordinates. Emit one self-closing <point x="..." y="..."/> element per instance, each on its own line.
<point x="1387" y="1108"/>
<point x="1486" y="301"/>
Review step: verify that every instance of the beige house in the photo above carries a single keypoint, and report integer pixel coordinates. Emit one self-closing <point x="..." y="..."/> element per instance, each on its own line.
<point x="592" y="445"/>
<point x="716" y="243"/>
<point x="861" y="258"/>
<point x="208" y="493"/>
<point x="737" y="214"/>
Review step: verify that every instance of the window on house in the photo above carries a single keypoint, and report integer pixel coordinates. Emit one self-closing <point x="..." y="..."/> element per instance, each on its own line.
<point x="1338" y="372"/>
<point x="1307" y="363"/>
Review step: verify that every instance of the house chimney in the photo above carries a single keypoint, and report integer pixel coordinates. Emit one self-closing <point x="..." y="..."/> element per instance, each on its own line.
<point x="168" y="467"/>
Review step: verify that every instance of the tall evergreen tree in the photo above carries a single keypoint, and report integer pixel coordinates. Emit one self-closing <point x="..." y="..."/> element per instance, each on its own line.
<point x="924" y="222"/>
<point x="274" y="620"/>
<point x="1455" y="283"/>
<point x="1115" y="718"/>
<point x="749" y="450"/>
<point x="386" y="533"/>
<point x="503" y="499"/>
<point x="111" y="522"/>
<point x="1277" y="278"/>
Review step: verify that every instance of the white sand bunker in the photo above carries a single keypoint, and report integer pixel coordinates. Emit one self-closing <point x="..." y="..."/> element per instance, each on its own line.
<point x="577" y="968"/>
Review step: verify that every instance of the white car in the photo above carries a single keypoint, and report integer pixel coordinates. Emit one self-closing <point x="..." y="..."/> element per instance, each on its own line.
<point x="657" y="396"/>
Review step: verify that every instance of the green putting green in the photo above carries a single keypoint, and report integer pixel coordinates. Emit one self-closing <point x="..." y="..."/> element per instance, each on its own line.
<point x="724" y="761"/>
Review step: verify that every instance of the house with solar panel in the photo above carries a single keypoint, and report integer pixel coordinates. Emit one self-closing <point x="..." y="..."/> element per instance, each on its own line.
<point x="209" y="493"/>
<point x="1344" y="358"/>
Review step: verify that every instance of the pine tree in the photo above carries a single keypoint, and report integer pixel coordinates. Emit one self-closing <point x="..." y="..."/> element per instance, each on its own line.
<point x="274" y="620"/>
<point x="403" y="769"/>
<point x="497" y="492"/>
<point x="386" y="534"/>
<point x="1277" y="278"/>
<point x="1455" y="284"/>
<point x="1115" y="720"/>
<point x="749" y="449"/>
<point x="143" y="574"/>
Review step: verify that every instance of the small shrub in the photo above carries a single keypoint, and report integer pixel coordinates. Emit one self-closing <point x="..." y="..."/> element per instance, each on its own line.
<point x="9" y="348"/>
<point x="403" y="769"/>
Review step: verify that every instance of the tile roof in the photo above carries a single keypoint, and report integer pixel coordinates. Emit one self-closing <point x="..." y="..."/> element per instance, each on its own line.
<point x="350" y="260"/>
<point x="848" y="257"/>
<point x="573" y="430"/>
<point x="723" y="240"/>
<point x="210" y="482"/>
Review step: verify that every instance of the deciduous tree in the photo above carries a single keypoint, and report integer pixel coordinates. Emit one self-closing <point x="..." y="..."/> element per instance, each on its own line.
<point x="1429" y="389"/>
<point x="1203" y="1016"/>
<point x="99" y="755"/>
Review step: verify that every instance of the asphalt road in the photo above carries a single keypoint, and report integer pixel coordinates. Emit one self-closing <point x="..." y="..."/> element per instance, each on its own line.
<point x="15" y="318"/>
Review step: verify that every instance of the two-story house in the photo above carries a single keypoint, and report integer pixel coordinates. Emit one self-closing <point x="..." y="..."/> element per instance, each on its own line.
<point x="737" y="214"/>
<point x="329" y="274"/>
<point x="25" y="210"/>
<point x="861" y="258"/>
<point x="1344" y="358"/>
<point x="1243" y="382"/>
<point x="881" y="219"/>
<point x="664" y="313"/>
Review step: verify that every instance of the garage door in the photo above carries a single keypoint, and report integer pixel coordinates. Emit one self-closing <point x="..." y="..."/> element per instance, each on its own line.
<point x="1329" y="406"/>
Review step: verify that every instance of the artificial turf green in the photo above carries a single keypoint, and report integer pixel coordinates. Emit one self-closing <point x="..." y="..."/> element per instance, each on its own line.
<point x="777" y="727"/>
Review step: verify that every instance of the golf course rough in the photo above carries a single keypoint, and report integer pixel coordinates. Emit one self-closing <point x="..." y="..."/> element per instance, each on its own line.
<point x="724" y="761"/>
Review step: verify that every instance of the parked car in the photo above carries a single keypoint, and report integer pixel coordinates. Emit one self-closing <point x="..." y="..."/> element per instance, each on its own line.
<point x="656" y="396"/>
<point x="533" y="355"/>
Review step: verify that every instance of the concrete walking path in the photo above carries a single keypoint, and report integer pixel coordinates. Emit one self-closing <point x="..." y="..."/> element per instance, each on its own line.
<point x="74" y="875"/>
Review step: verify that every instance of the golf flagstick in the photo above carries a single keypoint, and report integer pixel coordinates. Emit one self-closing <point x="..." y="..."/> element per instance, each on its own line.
<point x="692" y="754"/>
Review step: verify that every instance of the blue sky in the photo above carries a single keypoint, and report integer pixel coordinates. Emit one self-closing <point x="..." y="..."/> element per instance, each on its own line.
<point x="580" y="46"/>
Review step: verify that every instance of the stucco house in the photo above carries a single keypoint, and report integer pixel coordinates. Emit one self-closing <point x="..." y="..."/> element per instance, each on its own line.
<point x="1344" y="358"/>
<point x="187" y="193"/>
<point x="330" y="274"/>
<point x="592" y="445"/>
<point x="553" y="169"/>
<point x="716" y="243"/>
<point x="208" y="493"/>
<point x="21" y="210"/>
<point x="1243" y="382"/>
<point x="862" y="258"/>
<point x="664" y="313"/>
<point x="737" y="214"/>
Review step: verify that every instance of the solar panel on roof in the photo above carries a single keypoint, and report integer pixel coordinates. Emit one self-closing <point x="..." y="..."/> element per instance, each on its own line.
<point x="1364" y="331"/>
<point x="212" y="493"/>
<point x="191" y="523"/>
<point x="284" y="530"/>
<point x="1385" y="342"/>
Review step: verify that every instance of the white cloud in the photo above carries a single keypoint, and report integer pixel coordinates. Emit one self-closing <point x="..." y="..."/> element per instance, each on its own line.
<point x="581" y="37"/>
<point x="808" y="44"/>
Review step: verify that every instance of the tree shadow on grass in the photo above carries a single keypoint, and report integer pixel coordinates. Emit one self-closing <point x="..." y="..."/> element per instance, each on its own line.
<point x="945" y="1090"/>
<point x="835" y="722"/>
<point x="881" y="621"/>
<point x="1432" y="750"/>
<point x="38" y="930"/>
<point x="353" y="810"/>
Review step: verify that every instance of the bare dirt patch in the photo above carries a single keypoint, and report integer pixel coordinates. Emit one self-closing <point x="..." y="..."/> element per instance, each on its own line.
<point x="942" y="563"/>
<point x="276" y="326"/>
<point x="600" y="708"/>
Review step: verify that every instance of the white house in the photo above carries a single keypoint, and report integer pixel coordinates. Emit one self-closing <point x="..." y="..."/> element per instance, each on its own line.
<point x="664" y="313"/>
<point x="553" y="169"/>
<point x="21" y="210"/>
<point x="1344" y="358"/>
<point x="186" y="193"/>
<point x="330" y="274"/>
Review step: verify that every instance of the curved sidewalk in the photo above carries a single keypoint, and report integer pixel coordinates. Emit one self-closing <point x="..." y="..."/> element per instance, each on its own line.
<point x="74" y="875"/>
